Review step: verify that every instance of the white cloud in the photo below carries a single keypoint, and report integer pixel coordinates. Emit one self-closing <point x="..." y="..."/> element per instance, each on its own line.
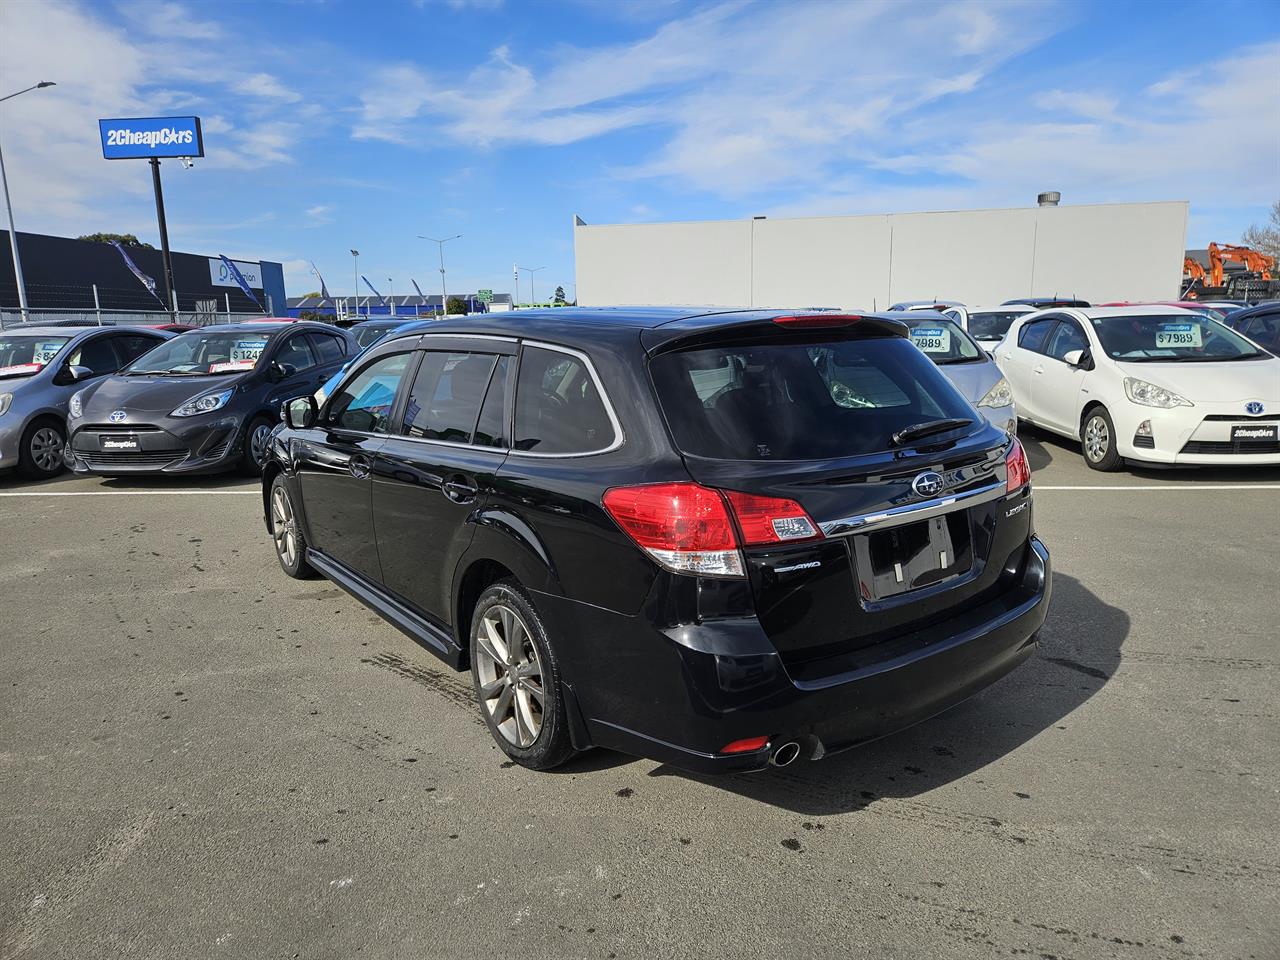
<point x="266" y="86"/>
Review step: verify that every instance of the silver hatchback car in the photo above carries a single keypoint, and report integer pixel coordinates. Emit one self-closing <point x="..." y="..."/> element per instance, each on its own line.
<point x="40" y="368"/>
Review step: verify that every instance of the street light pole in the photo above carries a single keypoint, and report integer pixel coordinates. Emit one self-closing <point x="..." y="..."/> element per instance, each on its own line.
<point x="355" y="280"/>
<point x="13" y="231"/>
<point x="392" y="287"/>
<point x="444" y="296"/>
<point x="533" y="300"/>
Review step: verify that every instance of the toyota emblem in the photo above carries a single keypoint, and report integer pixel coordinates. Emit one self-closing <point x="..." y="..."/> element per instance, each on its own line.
<point x="928" y="484"/>
<point x="117" y="416"/>
<point x="1254" y="408"/>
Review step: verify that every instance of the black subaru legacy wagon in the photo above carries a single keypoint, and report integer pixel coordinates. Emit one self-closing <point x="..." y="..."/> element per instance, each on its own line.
<point x="718" y="539"/>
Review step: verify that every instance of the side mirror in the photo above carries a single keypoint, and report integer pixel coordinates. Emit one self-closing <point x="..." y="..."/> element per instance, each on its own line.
<point x="77" y="373"/>
<point x="300" y="413"/>
<point x="282" y="371"/>
<point x="1080" y="359"/>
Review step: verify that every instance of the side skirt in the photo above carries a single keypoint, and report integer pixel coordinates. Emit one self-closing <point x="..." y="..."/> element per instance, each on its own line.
<point x="408" y="622"/>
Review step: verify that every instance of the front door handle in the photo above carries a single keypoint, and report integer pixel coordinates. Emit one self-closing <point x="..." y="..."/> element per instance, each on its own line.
<point x="358" y="465"/>
<point x="459" y="489"/>
<point x="1038" y="370"/>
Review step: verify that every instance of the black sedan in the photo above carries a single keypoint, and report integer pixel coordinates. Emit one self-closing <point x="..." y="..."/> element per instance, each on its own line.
<point x="204" y="402"/>
<point x="1260" y="323"/>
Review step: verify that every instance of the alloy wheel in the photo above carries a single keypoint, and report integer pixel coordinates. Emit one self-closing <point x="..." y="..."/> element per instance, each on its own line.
<point x="258" y="443"/>
<point x="46" y="449"/>
<point x="510" y="674"/>
<point x="1097" y="438"/>
<point x="284" y="527"/>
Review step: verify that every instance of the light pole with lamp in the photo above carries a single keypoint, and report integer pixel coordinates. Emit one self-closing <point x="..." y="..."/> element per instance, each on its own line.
<point x="533" y="300"/>
<point x="444" y="296"/>
<point x="355" y="279"/>
<point x="13" y="231"/>
<point x="391" y="286"/>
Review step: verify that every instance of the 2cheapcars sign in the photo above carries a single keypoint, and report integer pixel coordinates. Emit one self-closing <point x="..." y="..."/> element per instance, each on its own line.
<point x="146" y="137"/>
<point x="222" y="277"/>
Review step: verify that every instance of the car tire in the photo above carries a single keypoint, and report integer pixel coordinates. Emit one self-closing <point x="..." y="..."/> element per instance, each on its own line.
<point x="1098" y="441"/>
<point x="286" y="532"/>
<point x="253" y="454"/>
<point x="518" y="692"/>
<point x="40" y="451"/>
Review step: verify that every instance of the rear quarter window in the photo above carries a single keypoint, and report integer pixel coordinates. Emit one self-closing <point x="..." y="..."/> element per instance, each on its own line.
<point x="559" y="409"/>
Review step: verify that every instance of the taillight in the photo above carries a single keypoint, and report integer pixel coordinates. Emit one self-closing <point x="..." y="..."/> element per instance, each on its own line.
<point x="1016" y="465"/>
<point x="813" y="320"/>
<point x="687" y="527"/>
<point x="770" y="519"/>
<point x="684" y="526"/>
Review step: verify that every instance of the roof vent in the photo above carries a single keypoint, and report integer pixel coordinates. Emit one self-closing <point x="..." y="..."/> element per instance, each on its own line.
<point x="1049" y="198"/>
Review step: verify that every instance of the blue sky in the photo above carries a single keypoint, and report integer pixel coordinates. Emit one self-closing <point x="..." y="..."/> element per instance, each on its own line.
<point x="331" y="125"/>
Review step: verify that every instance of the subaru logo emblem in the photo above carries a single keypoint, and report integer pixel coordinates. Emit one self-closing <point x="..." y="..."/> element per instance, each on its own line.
<point x="117" y="416"/>
<point x="1254" y="408"/>
<point x="928" y="484"/>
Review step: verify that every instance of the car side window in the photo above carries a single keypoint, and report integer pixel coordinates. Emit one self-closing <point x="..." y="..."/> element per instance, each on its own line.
<point x="444" y="402"/>
<point x="328" y="348"/>
<point x="1033" y="335"/>
<point x="132" y="346"/>
<point x="491" y="429"/>
<point x="558" y="408"/>
<point x="365" y="401"/>
<point x="1066" y="337"/>
<point x="296" y="353"/>
<point x="96" y="354"/>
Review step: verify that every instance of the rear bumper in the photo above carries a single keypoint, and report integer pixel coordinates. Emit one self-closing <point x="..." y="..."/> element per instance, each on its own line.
<point x="679" y="696"/>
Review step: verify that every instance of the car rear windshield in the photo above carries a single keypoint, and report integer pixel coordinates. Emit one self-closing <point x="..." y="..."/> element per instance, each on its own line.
<point x="942" y="341"/>
<point x="992" y="325"/>
<point x="1185" y="338"/>
<point x="21" y="356"/>
<point x="203" y="353"/>
<point x="805" y="400"/>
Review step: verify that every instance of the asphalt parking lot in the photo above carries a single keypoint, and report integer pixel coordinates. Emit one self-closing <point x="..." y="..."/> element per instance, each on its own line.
<point x="200" y="757"/>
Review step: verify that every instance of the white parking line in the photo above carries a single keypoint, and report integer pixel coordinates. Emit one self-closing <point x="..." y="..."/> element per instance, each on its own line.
<point x="1164" y="486"/>
<point x="132" y="493"/>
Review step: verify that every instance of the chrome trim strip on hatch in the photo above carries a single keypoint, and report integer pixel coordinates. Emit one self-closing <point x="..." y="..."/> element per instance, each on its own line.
<point x="911" y="512"/>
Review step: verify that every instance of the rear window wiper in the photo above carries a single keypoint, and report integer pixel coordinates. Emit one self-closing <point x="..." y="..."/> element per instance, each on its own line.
<point x="927" y="429"/>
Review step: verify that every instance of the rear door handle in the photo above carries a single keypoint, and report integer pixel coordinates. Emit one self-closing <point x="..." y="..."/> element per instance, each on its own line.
<point x="358" y="465"/>
<point x="1038" y="370"/>
<point x="459" y="489"/>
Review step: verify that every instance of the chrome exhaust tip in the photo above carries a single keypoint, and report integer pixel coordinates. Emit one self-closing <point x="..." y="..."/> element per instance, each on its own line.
<point x="786" y="754"/>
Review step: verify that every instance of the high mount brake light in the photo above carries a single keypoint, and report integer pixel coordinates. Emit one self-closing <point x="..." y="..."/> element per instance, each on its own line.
<point x="1017" y="467"/>
<point x="816" y="320"/>
<point x="689" y="528"/>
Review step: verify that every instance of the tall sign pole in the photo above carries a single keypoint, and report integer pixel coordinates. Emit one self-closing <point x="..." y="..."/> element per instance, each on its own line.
<point x="169" y="299"/>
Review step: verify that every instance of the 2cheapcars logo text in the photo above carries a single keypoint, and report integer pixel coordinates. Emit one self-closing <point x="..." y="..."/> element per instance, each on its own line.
<point x="164" y="137"/>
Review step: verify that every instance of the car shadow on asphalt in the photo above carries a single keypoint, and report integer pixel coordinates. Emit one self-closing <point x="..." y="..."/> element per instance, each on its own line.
<point x="1080" y="649"/>
<point x="67" y="481"/>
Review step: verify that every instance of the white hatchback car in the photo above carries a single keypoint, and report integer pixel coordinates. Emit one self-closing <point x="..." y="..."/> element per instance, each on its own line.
<point x="988" y="325"/>
<point x="1155" y="384"/>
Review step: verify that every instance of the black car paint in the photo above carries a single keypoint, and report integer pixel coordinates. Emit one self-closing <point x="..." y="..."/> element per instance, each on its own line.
<point x="206" y="443"/>
<point x="655" y="663"/>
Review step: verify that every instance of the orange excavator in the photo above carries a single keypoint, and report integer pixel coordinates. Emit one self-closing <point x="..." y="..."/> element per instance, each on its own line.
<point x="1253" y="261"/>
<point x="1253" y="282"/>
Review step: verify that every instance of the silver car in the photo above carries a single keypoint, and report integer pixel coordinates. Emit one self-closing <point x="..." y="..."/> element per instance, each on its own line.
<point x="40" y="368"/>
<point x="966" y="365"/>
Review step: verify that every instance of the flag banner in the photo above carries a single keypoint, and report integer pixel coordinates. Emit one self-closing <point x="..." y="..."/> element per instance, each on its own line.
<point x="240" y="280"/>
<point x="418" y="288"/>
<point x="133" y="268"/>
<point x="381" y="299"/>
<point x="324" y="291"/>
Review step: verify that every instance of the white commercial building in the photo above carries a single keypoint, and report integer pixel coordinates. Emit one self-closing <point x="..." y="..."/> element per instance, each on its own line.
<point x="1097" y="252"/>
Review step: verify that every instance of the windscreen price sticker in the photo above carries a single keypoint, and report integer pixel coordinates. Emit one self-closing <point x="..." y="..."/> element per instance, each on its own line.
<point x="1179" y="335"/>
<point x="932" y="339"/>
<point x="249" y="350"/>
<point x="46" y="350"/>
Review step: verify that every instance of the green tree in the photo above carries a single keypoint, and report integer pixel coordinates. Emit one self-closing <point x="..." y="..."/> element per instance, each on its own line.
<point x="559" y="299"/>
<point x="1265" y="238"/>
<point x="124" y="239"/>
<point x="457" y="306"/>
